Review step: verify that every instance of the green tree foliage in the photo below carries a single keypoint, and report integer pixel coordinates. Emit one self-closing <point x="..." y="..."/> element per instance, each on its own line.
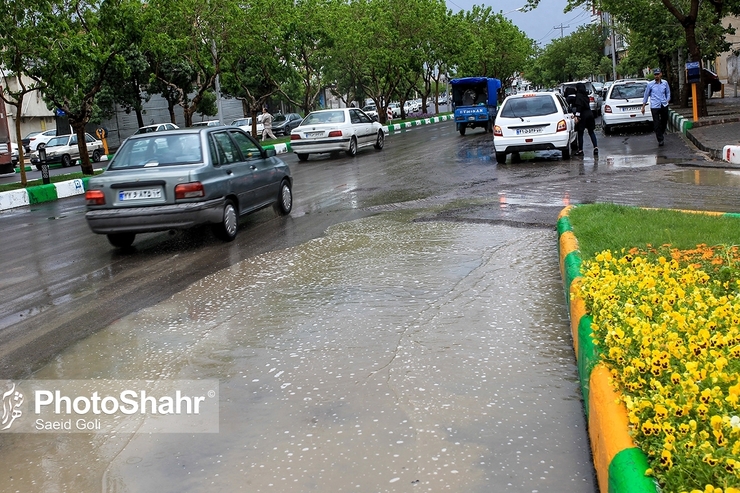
<point x="23" y="37"/>
<point x="89" y="43"/>
<point x="573" y="57"/>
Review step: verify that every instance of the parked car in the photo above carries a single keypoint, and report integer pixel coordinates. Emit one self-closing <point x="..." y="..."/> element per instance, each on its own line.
<point x="246" y="125"/>
<point x="533" y="121"/>
<point x="284" y="124"/>
<point x="13" y="152"/>
<point x="64" y="149"/>
<point x="623" y="103"/>
<point x="371" y="110"/>
<point x="396" y="109"/>
<point x="207" y="123"/>
<point x="40" y="139"/>
<point x="26" y="141"/>
<point x="712" y="81"/>
<point x="411" y="107"/>
<point x="183" y="178"/>
<point x="344" y="129"/>
<point x="156" y="127"/>
<point x="594" y="98"/>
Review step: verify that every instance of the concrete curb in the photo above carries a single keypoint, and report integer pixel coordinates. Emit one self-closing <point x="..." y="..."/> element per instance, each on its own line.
<point x="54" y="191"/>
<point x="620" y="465"/>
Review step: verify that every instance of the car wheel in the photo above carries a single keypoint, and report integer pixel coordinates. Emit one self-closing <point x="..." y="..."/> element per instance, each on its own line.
<point x="501" y="157"/>
<point x="352" y="151"/>
<point x="462" y="129"/>
<point x="226" y="229"/>
<point x="489" y="127"/>
<point x="302" y="157"/>
<point x="121" y="240"/>
<point x="66" y="161"/>
<point x="380" y="142"/>
<point x="284" y="203"/>
<point x="96" y="156"/>
<point x="607" y="129"/>
<point x="566" y="152"/>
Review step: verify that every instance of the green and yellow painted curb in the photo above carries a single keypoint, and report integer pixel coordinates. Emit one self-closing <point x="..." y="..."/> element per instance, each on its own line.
<point x="620" y="465"/>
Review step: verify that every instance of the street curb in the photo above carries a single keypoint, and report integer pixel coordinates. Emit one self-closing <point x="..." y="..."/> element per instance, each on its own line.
<point x="54" y="191"/>
<point x="620" y="465"/>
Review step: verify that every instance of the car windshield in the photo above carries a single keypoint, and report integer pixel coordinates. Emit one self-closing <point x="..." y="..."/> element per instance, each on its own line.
<point x="628" y="91"/>
<point x="529" y="106"/>
<point x="158" y="150"/>
<point x="242" y="122"/>
<point x="324" y="117"/>
<point x="369" y="108"/>
<point x="278" y="118"/>
<point x="58" y="141"/>
<point x="32" y="134"/>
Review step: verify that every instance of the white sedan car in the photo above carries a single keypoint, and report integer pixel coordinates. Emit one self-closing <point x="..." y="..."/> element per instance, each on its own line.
<point x="65" y="150"/>
<point x="332" y="131"/>
<point x="246" y="125"/>
<point x="534" y="121"/>
<point x="623" y="103"/>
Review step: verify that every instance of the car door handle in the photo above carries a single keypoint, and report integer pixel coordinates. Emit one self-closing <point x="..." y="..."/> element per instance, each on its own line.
<point x="252" y="167"/>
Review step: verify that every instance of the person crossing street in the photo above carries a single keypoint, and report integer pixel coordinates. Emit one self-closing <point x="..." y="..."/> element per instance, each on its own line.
<point x="267" y="125"/>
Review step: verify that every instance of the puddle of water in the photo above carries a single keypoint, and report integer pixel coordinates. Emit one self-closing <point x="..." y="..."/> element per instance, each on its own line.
<point x="707" y="177"/>
<point x="385" y="355"/>
<point x="634" y="161"/>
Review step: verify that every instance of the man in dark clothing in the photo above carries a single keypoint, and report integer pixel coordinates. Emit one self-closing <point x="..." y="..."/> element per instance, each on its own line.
<point x="585" y="119"/>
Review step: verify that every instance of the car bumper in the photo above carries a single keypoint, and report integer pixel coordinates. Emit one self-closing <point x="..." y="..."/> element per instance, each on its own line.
<point x="319" y="146"/>
<point x="533" y="143"/>
<point x="155" y="218"/>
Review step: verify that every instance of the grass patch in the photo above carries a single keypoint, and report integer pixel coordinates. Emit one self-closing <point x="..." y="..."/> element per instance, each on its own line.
<point x="600" y="227"/>
<point x="53" y="179"/>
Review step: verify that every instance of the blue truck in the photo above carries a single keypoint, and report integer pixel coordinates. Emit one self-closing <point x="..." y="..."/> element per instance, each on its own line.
<point x="475" y="100"/>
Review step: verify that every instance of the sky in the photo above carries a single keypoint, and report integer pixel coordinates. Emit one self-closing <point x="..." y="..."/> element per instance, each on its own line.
<point x="541" y="24"/>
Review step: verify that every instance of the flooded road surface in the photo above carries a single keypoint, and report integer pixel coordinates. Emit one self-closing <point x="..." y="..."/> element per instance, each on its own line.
<point x="388" y="355"/>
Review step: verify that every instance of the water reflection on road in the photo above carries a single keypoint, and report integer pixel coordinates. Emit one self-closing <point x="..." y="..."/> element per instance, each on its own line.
<point x="389" y="355"/>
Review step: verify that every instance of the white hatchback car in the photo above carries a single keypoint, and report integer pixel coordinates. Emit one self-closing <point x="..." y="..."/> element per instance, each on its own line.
<point x="533" y="121"/>
<point x="246" y="125"/>
<point x="623" y="103"/>
<point x="332" y="131"/>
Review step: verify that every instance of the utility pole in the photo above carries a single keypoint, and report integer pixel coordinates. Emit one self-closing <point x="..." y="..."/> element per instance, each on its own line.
<point x="561" y="27"/>
<point x="614" y="49"/>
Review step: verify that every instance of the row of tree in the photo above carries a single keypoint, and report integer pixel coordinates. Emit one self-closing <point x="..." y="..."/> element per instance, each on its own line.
<point x="85" y="56"/>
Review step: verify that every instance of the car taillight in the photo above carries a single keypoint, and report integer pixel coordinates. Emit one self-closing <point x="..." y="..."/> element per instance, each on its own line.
<point x="295" y="137"/>
<point x="562" y="126"/>
<point x="497" y="131"/>
<point x="94" y="197"/>
<point x="591" y="99"/>
<point x="189" y="190"/>
<point x="335" y="133"/>
<point x="607" y="108"/>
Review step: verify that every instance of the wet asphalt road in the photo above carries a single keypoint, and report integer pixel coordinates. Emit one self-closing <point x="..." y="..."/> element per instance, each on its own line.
<point x="62" y="283"/>
<point x="486" y="367"/>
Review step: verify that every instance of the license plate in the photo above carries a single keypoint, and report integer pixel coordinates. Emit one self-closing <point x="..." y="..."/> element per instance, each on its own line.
<point x="471" y="118"/>
<point x="535" y="130"/>
<point x="145" y="193"/>
<point x="633" y="108"/>
<point x="314" y="134"/>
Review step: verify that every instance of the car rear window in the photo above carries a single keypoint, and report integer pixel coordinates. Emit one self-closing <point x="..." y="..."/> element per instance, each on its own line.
<point x="156" y="150"/>
<point x="324" y="117"/>
<point x="628" y="91"/>
<point x="529" y="106"/>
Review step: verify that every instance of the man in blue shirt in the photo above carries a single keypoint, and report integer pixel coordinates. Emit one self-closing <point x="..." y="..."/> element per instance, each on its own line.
<point x="658" y="93"/>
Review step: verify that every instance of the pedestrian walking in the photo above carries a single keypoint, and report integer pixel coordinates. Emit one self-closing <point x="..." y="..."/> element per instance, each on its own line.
<point x="658" y="94"/>
<point x="267" y="125"/>
<point x="585" y="119"/>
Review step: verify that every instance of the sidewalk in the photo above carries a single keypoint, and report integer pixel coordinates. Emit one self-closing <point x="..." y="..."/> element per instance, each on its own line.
<point x="712" y="133"/>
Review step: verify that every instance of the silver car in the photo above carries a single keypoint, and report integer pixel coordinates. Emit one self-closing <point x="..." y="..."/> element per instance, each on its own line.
<point x="178" y="179"/>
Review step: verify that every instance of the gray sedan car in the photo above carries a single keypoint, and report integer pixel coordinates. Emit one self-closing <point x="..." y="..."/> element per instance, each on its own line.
<point x="183" y="178"/>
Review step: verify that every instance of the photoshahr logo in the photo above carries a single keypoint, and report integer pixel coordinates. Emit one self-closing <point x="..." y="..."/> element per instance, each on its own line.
<point x="12" y="402"/>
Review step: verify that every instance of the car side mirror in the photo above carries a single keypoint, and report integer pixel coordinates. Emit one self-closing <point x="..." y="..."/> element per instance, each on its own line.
<point x="270" y="152"/>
